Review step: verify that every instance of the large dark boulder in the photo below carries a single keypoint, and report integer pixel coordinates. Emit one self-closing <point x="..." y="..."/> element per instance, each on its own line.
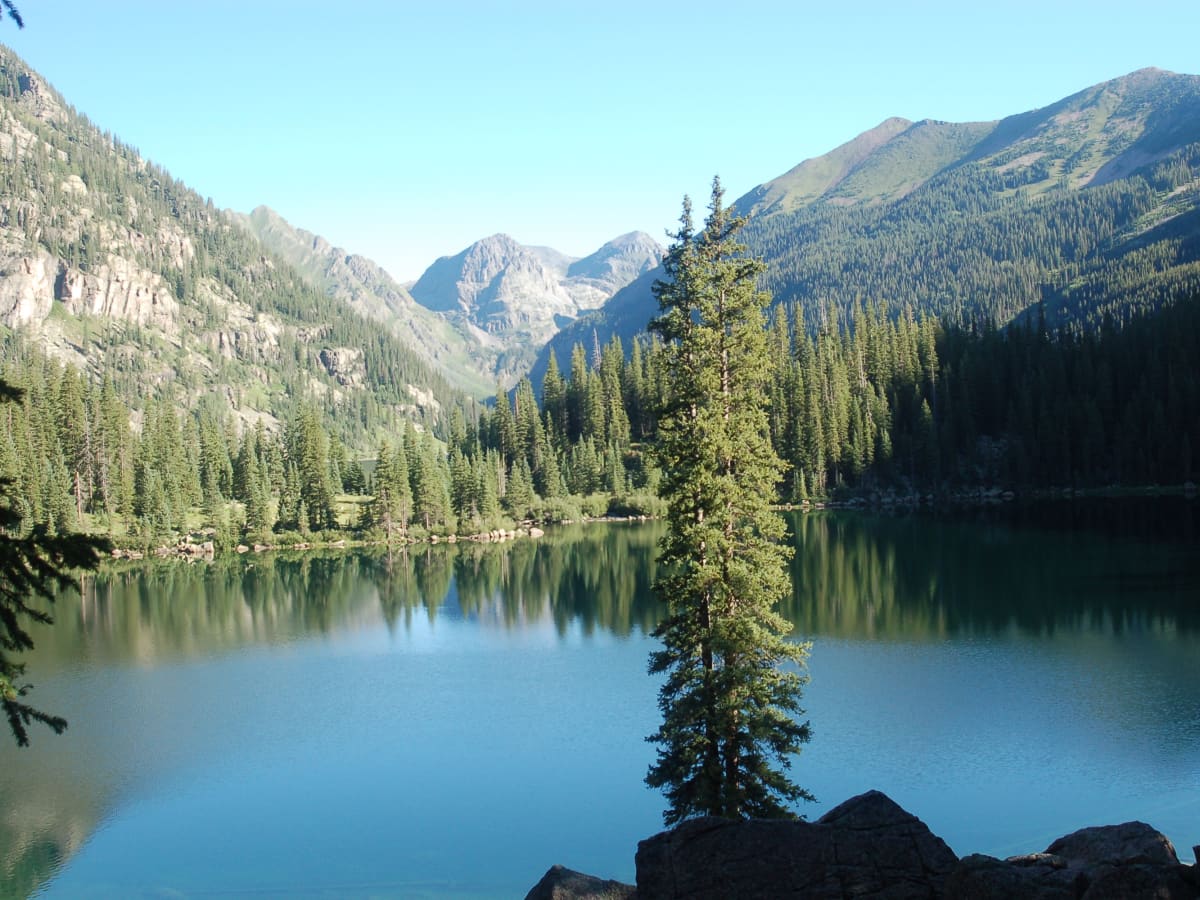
<point x="1111" y="862"/>
<point x="867" y="847"/>
<point x="1116" y="845"/>
<point x="561" y="883"/>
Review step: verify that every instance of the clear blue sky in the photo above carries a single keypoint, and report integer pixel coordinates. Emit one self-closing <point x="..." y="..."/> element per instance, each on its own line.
<point x="405" y="131"/>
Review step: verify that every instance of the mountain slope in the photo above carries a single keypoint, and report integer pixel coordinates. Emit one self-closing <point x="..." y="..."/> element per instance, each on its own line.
<point x="1086" y="204"/>
<point x="366" y="288"/>
<point x="108" y="263"/>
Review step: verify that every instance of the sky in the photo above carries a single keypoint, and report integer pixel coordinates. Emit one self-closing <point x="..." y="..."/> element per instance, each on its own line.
<point x="406" y="131"/>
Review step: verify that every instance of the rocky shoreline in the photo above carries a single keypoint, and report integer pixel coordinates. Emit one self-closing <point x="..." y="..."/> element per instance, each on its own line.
<point x="870" y="847"/>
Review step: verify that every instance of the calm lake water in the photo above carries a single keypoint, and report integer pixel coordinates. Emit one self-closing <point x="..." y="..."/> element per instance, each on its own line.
<point x="450" y="722"/>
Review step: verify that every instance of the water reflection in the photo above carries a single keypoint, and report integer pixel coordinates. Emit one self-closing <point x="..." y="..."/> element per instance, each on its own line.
<point x="854" y="575"/>
<point x="1097" y="573"/>
<point x="1097" y="567"/>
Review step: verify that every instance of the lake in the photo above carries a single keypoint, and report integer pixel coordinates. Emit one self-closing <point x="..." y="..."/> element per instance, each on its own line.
<point x="451" y="721"/>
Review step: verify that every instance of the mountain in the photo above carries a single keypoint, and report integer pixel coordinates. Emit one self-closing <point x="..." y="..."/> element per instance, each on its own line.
<point x="513" y="298"/>
<point x="369" y="290"/>
<point x="1084" y="210"/>
<point x="477" y="317"/>
<point x="110" y="264"/>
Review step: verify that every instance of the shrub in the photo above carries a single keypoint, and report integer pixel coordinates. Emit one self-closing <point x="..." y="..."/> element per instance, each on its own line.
<point x="637" y="505"/>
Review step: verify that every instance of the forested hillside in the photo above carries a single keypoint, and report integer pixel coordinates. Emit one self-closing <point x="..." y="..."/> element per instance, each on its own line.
<point x="1089" y="205"/>
<point x="108" y="263"/>
<point x="176" y="375"/>
<point x="901" y="406"/>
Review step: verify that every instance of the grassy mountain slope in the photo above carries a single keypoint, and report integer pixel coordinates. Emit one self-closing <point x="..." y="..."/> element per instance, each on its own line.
<point x="1088" y="204"/>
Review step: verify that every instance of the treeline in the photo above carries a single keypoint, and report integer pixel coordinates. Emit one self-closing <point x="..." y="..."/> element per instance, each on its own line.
<point x="918" y="405"/>
<point x="904" y="404"/>
<point x="80" y="459"/>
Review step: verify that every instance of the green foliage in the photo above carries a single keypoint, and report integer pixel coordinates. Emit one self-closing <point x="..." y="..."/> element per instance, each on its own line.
<point x="34" y="561"/>
<point x="650" y="505"/>
<point x="728" y="702"/>
<point x="232" y="319"/>
<point x="13" y="13"/>
<point x="594" y="505"/>
<point x="884" y="370"/>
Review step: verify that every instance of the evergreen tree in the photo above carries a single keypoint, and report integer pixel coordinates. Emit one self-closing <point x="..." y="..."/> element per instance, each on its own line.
<point x="393" y="496"/>
<point x="431" y="485"/>
<point x="728" y="729"/>
<point x="309" y="451"/>
<point x="554" y="399"/>
<point x="32" y="563"/>
<point x="519" y="496"/>
<point x="13" y="13"/>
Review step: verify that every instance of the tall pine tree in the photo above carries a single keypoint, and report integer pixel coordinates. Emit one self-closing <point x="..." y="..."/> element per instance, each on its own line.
<point x="728" y="704"/>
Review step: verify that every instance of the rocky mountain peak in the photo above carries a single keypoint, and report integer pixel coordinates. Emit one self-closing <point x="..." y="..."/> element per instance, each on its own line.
<point x="619" y="261"/>
<point x="518" y="296"/>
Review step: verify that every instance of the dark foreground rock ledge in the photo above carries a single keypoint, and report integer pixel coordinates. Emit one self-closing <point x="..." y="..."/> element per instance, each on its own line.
<point x="870" y="847"/>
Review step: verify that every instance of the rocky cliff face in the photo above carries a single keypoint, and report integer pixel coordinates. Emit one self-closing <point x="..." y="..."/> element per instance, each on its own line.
<point x="518" y="297"/>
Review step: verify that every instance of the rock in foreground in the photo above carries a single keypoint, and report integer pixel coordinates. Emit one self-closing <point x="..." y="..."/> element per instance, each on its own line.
<point x="1112" y="862"/>
<point x="867" y="847"/>
<point x="870" y="847"/>
<point x="561" y="883"/>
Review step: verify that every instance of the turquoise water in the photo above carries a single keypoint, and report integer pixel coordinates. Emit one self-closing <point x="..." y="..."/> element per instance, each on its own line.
<point x="451" y="723"/>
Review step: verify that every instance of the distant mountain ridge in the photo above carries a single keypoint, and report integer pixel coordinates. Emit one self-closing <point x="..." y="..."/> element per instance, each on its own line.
<point x="1100" y="134"/>
<point x="480" y="316"/>
<point x="365" y="287"/>
<point x="517" y="297"/>
<point x="1085" y="208"/>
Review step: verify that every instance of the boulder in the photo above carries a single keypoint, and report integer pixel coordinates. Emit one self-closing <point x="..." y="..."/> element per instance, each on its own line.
<point x="1110" y="862"/>
<point x="1132" y="842"/>
<point x="867" y="847"/>
<point x="561" y="883"/>
<point x="870" y="847"/>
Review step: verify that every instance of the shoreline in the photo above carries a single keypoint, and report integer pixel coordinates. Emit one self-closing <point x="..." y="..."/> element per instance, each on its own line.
<point x="196" y="550"/>
<point x="191" y="549"/>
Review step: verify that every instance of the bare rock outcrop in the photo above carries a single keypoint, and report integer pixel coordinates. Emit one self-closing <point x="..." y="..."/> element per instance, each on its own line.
<point x="867" y="847"/>
<point x="561" y="883"/>
<point x="27" y="289"/>
<point x="1110" y="862"/>
<point x="119" y="289"/>
<point x="345" y="365"/>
